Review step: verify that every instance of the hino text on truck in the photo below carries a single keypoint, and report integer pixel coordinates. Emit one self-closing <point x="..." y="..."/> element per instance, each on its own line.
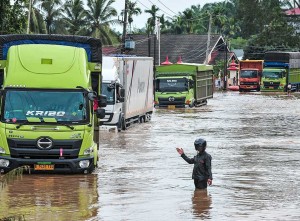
<point x="128" y="86"/>
<point x="280" y="70"/>
<point x="49" y="84"/>
<point x="183" y="85"/>
<point x="249" y="75"/>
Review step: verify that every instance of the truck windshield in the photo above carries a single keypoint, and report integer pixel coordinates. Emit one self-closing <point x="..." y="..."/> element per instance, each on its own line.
<point x="272" y="74"/>
<point x="248" y="74"/>
<point x="109" y="92"/>
<point x="172" y="85"/>
<point x="64" y="106"/>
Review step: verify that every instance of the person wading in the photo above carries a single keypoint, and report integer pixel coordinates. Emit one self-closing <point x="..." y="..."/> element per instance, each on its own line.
<point x="202" y="174"/>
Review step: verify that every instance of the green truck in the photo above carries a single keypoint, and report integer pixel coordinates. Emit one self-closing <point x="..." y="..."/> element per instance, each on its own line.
<point x="183" y="85"/>
<point x="49" y="87"/>
<point x="280" y="70"/>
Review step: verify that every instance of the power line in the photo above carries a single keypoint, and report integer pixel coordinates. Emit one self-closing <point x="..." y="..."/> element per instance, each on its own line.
<point x="167" y="7"/>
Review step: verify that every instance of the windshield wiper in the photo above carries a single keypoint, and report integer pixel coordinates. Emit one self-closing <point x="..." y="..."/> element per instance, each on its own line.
<point x="67" y="125"/>
<point x="29" y="120"/>
<point x="54" y="121"/>
<point x="37" y="120"/>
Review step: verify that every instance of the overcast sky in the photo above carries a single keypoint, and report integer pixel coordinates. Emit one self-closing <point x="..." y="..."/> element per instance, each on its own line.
<point x="167" y="7"/>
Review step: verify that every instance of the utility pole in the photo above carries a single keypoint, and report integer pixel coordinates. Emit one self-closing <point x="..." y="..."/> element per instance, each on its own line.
<point x="29" y="13"/>
<point x="208" y="38"/>
<point x="225" y="66"/>
<point x="124" y="27"/>
<point x="158" y="37"/>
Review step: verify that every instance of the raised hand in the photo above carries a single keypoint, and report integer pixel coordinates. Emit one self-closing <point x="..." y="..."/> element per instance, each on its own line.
<point x="180" y="150"/>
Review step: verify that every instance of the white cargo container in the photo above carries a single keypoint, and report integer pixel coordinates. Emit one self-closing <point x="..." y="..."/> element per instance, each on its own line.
<point x="128" y="84"/>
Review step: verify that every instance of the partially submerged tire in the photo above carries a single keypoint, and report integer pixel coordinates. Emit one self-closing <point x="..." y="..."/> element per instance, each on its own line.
<point x="123" y="123"/>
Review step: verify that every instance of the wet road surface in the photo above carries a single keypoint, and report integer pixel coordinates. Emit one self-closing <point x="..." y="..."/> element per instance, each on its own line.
<point x="254" y="140"/>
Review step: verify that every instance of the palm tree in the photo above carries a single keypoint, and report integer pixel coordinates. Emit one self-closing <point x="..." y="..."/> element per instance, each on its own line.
<point x="37" y="22"/>
<point x="132" y="10"/>
<point x="75" y="17"/>
<point x="152" y="20"/>
<point x="188" y="20"/>
<point x="51" y="12"/>
<point x="101" y="15"/>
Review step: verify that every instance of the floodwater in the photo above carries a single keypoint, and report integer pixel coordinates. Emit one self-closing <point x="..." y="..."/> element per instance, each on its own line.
<point x="254" y="140"/>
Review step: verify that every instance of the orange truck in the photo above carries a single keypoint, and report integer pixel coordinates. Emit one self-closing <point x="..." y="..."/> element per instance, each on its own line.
<point x="250" y="75"/>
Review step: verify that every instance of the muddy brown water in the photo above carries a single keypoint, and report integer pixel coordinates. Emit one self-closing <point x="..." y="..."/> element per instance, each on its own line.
<point x="254" y="140"/>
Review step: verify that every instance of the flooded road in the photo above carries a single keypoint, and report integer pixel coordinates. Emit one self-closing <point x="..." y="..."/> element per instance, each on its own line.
<point x="254" y="140"/>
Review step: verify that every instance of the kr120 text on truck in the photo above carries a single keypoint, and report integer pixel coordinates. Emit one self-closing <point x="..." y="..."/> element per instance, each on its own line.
<point x="183" y="85"/>
<point x="250" y="74"/>
<point x="49" y="85"/>
<point x="128" y="85"/>
<point x="280" y="70"/>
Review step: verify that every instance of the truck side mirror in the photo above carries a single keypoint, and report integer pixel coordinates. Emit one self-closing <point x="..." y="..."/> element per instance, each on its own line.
<point x="122" y="93"/>
<point x="102" y="101"/>
<point x="100" y="113"/>
<point x="191" y="83"/>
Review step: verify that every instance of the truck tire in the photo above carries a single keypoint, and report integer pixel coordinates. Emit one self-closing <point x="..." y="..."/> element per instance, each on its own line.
<point x="123" y="124"/>
<point x="192" y="104"/>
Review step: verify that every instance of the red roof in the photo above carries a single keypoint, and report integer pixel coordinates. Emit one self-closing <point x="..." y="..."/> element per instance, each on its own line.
<point x="293" y="11"/>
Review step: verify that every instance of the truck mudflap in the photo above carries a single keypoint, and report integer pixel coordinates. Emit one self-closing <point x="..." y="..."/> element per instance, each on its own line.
<point x="50" y="165"/>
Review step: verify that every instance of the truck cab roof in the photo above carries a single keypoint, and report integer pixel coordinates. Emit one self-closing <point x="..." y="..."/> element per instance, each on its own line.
<point x="35" y="65"/>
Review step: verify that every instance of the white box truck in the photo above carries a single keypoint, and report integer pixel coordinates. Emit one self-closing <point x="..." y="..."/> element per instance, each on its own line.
<point x="128" y="84"/>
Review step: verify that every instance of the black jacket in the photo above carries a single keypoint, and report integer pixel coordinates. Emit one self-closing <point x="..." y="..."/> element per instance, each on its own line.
<point x="202" y="165"/>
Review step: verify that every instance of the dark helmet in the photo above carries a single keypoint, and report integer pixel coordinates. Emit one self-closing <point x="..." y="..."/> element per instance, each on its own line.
<point x="200" y="143"/>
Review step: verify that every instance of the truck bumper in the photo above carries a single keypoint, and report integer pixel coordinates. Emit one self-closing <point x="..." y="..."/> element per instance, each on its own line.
<point x="60" y="165"/>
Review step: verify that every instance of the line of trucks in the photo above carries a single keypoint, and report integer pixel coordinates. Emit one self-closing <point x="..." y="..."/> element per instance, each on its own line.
<point x="57" y="91"/>
<point x="279" y="71"/>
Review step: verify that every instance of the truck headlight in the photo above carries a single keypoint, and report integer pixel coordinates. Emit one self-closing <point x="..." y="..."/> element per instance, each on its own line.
<point x="88" y="151"/>
<point x="2" y="150"/>
<point x="4" y="163"/>
<point x="84" y="163"/>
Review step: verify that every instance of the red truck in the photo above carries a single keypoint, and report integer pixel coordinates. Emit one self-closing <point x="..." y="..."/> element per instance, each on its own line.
<point x="250" y="75"/>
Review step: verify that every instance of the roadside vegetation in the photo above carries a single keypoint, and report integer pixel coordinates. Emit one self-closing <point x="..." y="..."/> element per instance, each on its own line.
<point x="255" y="26"/>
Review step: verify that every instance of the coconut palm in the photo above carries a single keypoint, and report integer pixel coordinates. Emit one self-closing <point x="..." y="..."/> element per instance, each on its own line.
<point x="100" y="16"/>
<point x="37" y="22"/>
<point x="75" y="17"/>
<point x="152" y="20"/>
<point x="52" y="11"/>
<point x="132" y="10"/>
<point x="187" y="16"/>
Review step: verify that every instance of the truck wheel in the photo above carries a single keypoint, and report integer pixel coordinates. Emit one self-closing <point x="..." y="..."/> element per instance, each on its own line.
<point x="147" y="117"/>
<point x="141" y="119"/>
<point x="192" y="104"/>
<point x="123" y="123"/>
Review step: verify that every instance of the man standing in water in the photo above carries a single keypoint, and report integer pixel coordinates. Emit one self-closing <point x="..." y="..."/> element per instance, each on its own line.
<point x="202" y="174"/>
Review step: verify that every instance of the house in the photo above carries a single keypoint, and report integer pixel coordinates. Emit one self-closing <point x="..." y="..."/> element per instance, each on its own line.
<point x="190" y="48"/>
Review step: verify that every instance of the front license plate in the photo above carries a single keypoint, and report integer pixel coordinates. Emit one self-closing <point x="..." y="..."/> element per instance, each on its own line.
<point x="44" y="167"/>
<point x="171" y="107"/>
<point x="271" y="87"/>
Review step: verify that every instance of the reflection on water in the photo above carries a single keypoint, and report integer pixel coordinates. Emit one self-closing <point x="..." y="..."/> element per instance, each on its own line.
<point x="201" y="204"/>
<point x="254" y="140"/>
<point x="50" y="197"/>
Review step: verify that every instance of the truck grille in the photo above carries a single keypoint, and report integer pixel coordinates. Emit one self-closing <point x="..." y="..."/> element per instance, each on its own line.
<point x="177" y="101"/>
<point x="28" y="149"/>
<point x="271" y="84"/>
<point x="248" y="83"/>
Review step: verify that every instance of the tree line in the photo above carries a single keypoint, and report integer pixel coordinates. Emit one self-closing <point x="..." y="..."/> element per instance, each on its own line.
<point x="255" y="26"/>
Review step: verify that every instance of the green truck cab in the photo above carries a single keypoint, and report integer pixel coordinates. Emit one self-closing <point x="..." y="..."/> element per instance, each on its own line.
<point x="49" y="86"/>
<point x="280" y="70"/>
<point x="183" y="85"/>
